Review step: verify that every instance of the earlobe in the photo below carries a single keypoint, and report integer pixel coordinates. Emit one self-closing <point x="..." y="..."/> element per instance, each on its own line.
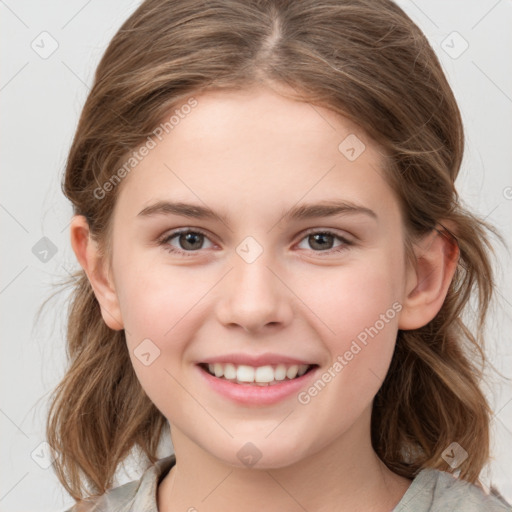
<point x="87" y="253"/>
<point x="437" y="256"/>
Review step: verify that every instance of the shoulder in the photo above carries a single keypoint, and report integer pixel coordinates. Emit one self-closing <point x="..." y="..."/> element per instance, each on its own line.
<point x="133" y="496"/>
<point x="437" y="491"/>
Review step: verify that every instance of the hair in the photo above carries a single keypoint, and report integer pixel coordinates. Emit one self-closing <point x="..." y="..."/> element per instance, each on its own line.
<point x="363" y="59"/>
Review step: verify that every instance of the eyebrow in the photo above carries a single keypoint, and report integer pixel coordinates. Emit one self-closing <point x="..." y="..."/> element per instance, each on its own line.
<point x="301" y="212"/>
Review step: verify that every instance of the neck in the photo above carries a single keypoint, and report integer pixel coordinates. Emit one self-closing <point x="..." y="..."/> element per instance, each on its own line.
<point x="344" y="476"/>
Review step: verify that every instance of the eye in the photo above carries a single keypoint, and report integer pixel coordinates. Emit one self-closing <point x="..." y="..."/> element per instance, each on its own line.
<point x="191" y="241"/>
<point x="321" y="241"/>
<point x="188" y="241"/>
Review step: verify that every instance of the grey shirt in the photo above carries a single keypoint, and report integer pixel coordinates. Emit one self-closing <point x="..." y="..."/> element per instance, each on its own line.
<point x="430" y="491"/>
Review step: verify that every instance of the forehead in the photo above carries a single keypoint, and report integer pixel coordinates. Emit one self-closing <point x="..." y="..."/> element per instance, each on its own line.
<point x="254" y="149"/>
<point x="258" y="119"/>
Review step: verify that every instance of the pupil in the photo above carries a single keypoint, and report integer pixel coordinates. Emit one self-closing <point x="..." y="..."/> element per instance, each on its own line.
<point x="315" y="238"/>
<point x="189" y="239"/>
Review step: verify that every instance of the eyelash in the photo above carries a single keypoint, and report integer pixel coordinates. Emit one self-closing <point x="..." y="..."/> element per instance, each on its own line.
<point x="164" y="242"/>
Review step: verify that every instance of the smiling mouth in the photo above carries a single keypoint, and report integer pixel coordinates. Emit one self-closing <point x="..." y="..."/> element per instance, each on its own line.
<point x="268" y="375"/>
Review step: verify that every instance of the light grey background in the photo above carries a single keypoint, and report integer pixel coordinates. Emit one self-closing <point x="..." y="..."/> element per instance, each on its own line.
<point x="41" y="97"/>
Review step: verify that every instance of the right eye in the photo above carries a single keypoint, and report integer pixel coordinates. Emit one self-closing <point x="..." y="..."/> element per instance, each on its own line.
<point x="189" y="240"/>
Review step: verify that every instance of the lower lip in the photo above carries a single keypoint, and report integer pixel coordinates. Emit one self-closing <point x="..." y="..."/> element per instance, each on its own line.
<point x="252" y="394"/>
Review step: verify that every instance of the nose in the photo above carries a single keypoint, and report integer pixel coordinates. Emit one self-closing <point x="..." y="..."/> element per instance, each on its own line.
<point x="255" y="297"/>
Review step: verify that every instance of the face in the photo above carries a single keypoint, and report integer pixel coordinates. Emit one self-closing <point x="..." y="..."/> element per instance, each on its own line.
<point x="260" y="283"/>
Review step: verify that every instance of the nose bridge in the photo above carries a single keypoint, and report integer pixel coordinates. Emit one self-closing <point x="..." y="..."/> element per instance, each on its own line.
<point x="251" y="259"/>
<point x="253" y="295"/>
<point x="254" y="278"/>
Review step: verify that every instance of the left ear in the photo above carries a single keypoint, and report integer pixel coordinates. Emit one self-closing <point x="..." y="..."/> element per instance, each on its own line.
<point x="437" y="255"/>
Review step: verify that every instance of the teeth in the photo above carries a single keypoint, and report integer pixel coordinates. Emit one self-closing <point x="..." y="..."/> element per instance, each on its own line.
<point x="292" y="371"/>
<point x="302" y="369"/>
<point x="245" y="373"/>
<point x="230" y="371"/>
<point x="262" y="375"/>
<point x="280" y="372"/>
<point x="218" y="369"/>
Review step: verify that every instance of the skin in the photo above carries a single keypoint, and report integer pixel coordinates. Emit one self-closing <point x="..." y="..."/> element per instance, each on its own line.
<point x="252" y="155"/>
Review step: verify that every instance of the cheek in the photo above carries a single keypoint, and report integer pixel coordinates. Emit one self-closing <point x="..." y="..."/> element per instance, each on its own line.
<point x="154" y="297"/>
<point x="350" y="299"/>
<point x="154" y="300"/>
<point x="160" y="308"/>
<point x="361" y="307"/>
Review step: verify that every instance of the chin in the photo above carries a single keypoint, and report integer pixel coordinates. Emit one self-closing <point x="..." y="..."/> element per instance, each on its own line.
<point x="259" y="455"/>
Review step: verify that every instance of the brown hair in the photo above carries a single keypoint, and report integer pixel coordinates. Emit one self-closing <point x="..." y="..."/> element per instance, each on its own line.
<point x="364" y="59"/>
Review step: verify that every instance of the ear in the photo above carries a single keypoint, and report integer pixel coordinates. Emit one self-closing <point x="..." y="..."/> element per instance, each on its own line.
<point x="429" y="278"/>
<point x="88" y="255"/>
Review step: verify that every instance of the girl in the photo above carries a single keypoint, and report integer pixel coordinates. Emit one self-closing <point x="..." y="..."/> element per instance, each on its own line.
<point x="275" y="264"/>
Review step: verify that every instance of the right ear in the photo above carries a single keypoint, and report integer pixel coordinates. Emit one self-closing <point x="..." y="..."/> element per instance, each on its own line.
<point x="87" y="253"/>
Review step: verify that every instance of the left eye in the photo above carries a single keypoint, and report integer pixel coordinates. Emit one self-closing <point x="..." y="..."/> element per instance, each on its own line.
<point x="322" y="239"/>
<point x="191" y="241"/>
<point x="187" y="239"/>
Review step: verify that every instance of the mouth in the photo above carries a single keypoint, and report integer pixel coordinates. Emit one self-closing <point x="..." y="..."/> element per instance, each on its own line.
<point x="268" y="375"/>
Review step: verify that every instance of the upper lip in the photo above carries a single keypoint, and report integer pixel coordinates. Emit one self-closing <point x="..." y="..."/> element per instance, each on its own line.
<point x="255" y="360"/>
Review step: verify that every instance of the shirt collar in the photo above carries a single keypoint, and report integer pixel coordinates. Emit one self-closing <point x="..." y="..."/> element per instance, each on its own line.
<point x="145" y="499"/>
